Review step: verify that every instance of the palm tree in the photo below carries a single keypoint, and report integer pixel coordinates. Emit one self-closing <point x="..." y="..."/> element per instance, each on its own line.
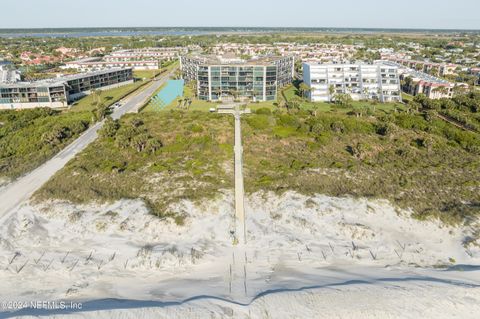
<point x="358" y="111"/>
<point x="283" y="104"/>
<point x="303" y="88"/>
<point x="331" y="91"/>
<point x="443" y="90"/>
<point x="194" y="88"/>
<point x="365" y="93"/>
<point x="379" y="94"/>
<point x="459" y="89"/>
<point x="180" y="102"/>
<point x="407" y="82"/>
<point x="234" y="92"/>
<point x="344" y="100"/>
<point x="435" y="71"/>
<point x="96" y="96"/>
<point x="294" y="103"/>
<point x="218" y="93"/>
<point x="101" y="111"/>
<point x="307" y="90"/>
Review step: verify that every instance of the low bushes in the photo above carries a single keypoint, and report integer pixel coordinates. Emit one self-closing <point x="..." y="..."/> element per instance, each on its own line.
<point x="30" y="137"/>
<point x="161" y="158"/>
<point x="431" y="166"/>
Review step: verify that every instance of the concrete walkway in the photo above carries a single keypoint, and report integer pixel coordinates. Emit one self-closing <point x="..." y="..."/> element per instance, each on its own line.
<point x="16" y="193"/>
<point x="239" y="189"/>
<point x="240" y="229"/>
<point x="237" y="271"/>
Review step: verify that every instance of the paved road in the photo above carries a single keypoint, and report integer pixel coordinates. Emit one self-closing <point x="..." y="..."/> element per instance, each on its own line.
<point x="14" y="194"/>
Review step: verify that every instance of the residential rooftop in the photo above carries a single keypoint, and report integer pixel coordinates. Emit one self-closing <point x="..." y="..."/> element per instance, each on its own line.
<point x="59" y="81"/>
<point x="9" y="76"/>
<point x="361" y="63"/>
<point x="418" y="74"/>
<point x="228" y="59"/>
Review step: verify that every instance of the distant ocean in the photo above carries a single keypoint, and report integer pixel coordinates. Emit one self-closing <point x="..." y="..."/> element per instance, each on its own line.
<point x="190" y="31"/>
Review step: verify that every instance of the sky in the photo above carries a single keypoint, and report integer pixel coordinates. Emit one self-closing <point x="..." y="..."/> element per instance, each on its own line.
<point x="430" y="14"/>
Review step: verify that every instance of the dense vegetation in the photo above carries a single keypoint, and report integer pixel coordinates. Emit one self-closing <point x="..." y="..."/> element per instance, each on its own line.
<point x="30" y="137"/>
<point x="159" y="157"/>
<point x="415" y="161"/>
<point x="432" y="45"/>
<point x="463" y="109"/>
<point x="424" y="155"/>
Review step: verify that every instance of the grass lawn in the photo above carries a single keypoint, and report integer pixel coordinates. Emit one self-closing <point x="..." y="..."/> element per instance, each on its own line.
<point x="200" y="105"/>
<point x="197" y="105"/>
<point x="272" y="105"/>
<point x="288" y="92"/>
<point x="150" y="74"/>
<point x="108" y="97"/>
<point x="146" y="74"/>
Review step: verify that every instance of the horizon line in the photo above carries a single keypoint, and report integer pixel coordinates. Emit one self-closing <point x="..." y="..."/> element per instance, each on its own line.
<point x="242" y="27"/>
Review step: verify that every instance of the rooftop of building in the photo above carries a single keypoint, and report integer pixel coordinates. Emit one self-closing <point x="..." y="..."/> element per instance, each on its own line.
<point x="230" y="59"/>
<point x="85" y="60"/>
<point x="59" y="81"/>
<point x="86" y="63"/>
<point x="422" y="62"/>
<point x="152" y="49"/>
<point x="9" y="76"/>
<point x="352" y="64"/>
<point x="421" y="76"/>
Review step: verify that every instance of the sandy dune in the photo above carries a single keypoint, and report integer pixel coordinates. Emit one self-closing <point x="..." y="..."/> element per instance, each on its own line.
<point x="306" y="257"/>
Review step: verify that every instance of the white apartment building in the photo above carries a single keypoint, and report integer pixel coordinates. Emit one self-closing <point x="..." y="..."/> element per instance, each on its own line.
<point x="8" y="72"/>
<point x="105" y="65"/>
<point x="361" y="81"/>
<point x="316" y="52"/>
<point x="138" y="59"/>
<point x="162" y="53"/>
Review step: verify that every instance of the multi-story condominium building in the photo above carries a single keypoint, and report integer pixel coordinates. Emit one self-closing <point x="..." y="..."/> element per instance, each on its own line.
<point x="476" y="72"/>
<point x="361" y="81"/>
<point x="257" y="79"/>
<point x="9" y="75"/>
<point x="433" y="89"/>
<point x="138" y="59"/>
<point x="96" y="64"/>
<point x="59" y="92"/>
<point x="436" y="69"/>
<point x="312" y="52"/>
<point x="167" y="53"/>
<point x="8" y="72"/>
<point x="416" y="82"/>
